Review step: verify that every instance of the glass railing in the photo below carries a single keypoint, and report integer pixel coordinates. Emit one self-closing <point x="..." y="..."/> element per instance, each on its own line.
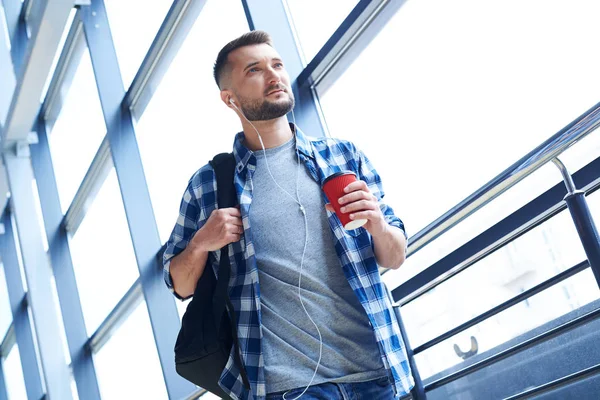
<point x="482" y="317"/>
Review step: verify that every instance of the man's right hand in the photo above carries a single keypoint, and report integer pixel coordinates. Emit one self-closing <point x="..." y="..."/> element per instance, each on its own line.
<point x="224" y="226"/>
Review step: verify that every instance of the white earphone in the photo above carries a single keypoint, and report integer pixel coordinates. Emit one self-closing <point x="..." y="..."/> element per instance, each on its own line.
<point x="303" y="211"/>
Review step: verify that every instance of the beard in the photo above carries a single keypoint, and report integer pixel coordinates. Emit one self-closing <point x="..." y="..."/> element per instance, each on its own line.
<point x="264" y="110"/>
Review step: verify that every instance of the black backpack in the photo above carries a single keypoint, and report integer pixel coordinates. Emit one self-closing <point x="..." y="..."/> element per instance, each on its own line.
<point x="208" y="325"/>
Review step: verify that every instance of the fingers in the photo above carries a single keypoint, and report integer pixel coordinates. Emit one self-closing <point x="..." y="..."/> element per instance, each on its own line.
<point x="233" y="211"/>
<point x="234" y="237"/>
<point x="356" y="196"/>
<point x="234" y="217"/>
<point x="237" y="229"/>
<point x="228" y="215"/>
<point x="235" y="221"/>
<point x="370" y="215"/>
<point x="233" y="232"/>
<point x="359" y="205"/>
<point x="357" y="185"/>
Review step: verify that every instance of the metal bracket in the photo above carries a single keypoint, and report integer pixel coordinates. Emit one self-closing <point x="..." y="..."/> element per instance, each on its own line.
<point x="471" y="352"/>
<point x="22" y="149"/>
<point x="567" y="178"/>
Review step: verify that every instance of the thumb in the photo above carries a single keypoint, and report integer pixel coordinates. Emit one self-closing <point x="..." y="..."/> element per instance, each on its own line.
<point x="329" y="207"/>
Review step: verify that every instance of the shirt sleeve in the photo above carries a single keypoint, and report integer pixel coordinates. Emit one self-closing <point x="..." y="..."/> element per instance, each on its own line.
<point x="368" y="174"/>
<point x="185" y="228"/>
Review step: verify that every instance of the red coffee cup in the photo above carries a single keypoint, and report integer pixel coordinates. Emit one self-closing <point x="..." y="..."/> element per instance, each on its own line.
<point x="333" y="186"/>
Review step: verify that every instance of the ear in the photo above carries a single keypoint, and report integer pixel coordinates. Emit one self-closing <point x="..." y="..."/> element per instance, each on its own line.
<point x="225" y="96"/>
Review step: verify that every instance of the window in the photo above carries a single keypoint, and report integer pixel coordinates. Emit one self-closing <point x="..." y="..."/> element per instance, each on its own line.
<point x="103" y="258"/>
<point x="77" y="133"/>
<point x="5" y="311"/>
<point x="185" y="123"/>
<point x="209" y="396"/>
<point x="315" y="21"/>
<point x="529" y="260"/>
<point x="138" y="375"/>
<point x="134" y="24"/>
<point x="575" y="157"/>
<point x="13" y="375"/>
<point x="514" y="374"/>
<point x="451" y="93"/>
<point x="182" y="307"/>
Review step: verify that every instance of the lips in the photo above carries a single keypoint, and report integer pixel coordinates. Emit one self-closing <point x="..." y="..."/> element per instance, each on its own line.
<point x="275" y="91"/>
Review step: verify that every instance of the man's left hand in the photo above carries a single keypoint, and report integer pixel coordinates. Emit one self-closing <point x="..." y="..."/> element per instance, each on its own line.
<point x="360" y="203"/>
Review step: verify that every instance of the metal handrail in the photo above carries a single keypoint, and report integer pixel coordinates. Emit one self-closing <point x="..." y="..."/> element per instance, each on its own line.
<point x="527" y="344"/>
<point x="557" y="383"/>
<point x="504" y="306"/>
<point x="539" y="156"/>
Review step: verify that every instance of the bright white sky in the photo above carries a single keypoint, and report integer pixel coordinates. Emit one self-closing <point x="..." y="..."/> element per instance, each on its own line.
<point x="446" y="97"/>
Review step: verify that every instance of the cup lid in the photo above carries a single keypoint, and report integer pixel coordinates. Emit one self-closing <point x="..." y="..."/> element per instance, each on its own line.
<point x="335" y="175"/>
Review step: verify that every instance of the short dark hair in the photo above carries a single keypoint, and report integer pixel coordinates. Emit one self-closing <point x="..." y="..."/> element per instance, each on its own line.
<point x="247" y="39"/>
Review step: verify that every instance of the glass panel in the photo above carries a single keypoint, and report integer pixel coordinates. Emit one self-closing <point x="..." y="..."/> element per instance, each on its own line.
<point x="570" y="352"/>
<point x="552" y="303"/>
<point x="583" y="152"/>
<point x="577" y="156"/>
<point x="77" y="133"/>
<point x="529" y="260"/>
<point x="140" y="376"/>
<point x="13" y="375"/>
<point x="5" y="311"/>
<point x="209" y="396"/>
<point x="103" y="258"/>
<point x="185" y="123"/>
<point x="510" y="201"/>
<point x="134" y="24"/>
<point x="454" y="97"/>
<point x="182" y="307"/>
<point x="316" y="20"/>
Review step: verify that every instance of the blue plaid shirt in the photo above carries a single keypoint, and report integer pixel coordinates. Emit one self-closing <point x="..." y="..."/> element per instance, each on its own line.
<point x="322" y="157"/>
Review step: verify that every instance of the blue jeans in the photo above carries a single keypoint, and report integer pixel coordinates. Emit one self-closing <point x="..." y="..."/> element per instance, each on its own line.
<point x="378" y="389"/>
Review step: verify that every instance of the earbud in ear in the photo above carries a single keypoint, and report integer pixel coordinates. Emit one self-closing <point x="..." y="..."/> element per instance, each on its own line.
<point x="231" y="100"/>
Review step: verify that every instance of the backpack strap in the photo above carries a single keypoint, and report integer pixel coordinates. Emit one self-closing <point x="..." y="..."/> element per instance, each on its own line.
<point x="224" y="166"/>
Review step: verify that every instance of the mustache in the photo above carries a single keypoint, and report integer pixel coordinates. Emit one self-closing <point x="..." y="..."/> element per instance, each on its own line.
<point x="276" y="87"/>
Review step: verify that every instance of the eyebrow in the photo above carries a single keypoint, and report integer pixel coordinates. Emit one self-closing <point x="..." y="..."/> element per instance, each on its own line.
<point x="252" y="64"/>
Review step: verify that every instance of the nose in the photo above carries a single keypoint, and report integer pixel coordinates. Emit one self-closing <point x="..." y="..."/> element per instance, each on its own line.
<point x="273" y="76"/>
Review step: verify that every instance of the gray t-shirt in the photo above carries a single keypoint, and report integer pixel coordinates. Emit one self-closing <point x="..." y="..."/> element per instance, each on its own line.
<point x="290" y="341"/>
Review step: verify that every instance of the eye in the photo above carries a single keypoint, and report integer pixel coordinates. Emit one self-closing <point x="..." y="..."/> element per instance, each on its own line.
<point x="253" y="69"/>
<point x="279" y="65"/>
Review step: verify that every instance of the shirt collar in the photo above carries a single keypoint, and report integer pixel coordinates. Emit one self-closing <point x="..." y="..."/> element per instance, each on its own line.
<point x="243" y="154"/>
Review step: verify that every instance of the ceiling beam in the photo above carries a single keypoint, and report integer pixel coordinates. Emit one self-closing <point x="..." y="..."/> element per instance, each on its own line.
<point x="46" y="23"/>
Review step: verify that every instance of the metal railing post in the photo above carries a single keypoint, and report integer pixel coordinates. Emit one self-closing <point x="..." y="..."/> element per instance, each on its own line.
<point x="418" y="391"/>
<point x="584" y="223"/>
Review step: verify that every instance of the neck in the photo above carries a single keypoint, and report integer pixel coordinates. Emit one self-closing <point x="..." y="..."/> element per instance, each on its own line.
<point x="274" y="132"/>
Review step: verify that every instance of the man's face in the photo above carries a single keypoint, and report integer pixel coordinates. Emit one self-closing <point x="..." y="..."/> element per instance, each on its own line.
<point x="260" y="82"/>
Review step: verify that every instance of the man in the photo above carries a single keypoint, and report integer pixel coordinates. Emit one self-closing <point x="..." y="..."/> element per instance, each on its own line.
<point x="283" y="236"/>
